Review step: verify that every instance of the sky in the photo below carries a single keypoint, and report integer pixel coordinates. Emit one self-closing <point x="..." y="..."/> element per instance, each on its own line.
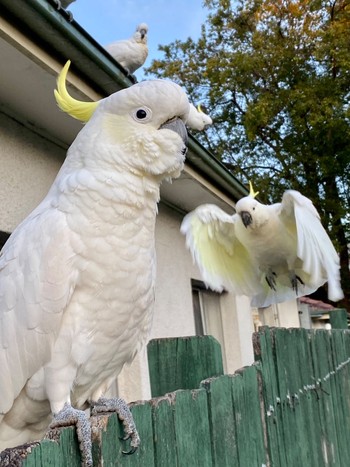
<point x="110" y="20"/>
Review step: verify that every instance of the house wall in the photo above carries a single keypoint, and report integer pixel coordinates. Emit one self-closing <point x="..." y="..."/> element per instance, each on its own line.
<point x="29" y="164"/>
<point x="284" y="315"/>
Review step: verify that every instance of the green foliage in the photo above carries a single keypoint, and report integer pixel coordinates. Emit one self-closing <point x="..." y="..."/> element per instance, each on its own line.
<point x="275" y="77"/>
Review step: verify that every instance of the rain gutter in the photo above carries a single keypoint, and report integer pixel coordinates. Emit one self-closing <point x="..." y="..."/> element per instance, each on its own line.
<point x="210" y="167"/>
<point x="64" y="38"/>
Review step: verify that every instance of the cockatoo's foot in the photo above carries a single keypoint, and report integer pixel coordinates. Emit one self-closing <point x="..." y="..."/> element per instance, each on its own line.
<point x="294" y="280"/>
<point x="271" y="279"/>
<point x="121" y="408"/>
<point x="69" y="416"/>
<point x="59" y="6"/>
<point x="131" y="76"/>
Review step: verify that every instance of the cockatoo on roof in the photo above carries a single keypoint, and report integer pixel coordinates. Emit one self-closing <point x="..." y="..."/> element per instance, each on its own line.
<point x="197" y="119"/>
<point x="271" y="253"/>
<point x="131" y="53"/>
<point x="77" y="276"/>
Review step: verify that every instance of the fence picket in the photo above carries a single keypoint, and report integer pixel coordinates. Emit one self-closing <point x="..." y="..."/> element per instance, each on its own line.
<point x="222" y="421"/>
<point x="182" y="363"/>
<point x="291" y="408"/>
<point x="192" y="429"/>
<point x="164" y="431"/>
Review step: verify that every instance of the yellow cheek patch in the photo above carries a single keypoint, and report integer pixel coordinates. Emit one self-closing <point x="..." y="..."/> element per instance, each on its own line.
<point x="116" y="127"/>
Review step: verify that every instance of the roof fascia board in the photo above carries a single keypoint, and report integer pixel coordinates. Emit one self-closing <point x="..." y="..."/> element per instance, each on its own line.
<point x="67" y="39"/>
<point x="90" y="61"/>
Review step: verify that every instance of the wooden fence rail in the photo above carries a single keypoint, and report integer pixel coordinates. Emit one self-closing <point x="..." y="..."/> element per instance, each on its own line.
<point x="291" y="408"/>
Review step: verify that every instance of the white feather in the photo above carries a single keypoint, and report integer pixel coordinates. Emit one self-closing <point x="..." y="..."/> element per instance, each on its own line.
<point x="285" y="242"/>
<point x="197" y="119"/>
<point x="210" y="236"/>
<point x="131" y="53"/>
<point x="77" y="276"/>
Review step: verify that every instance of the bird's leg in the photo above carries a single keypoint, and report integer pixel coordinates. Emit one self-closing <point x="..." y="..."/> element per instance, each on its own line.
<point x="121" y="408"/>
<point x="294" y="280"/>
<point x="271" y="279"/>
<point x="58" y="4"/>
<point x="69" y="416"/>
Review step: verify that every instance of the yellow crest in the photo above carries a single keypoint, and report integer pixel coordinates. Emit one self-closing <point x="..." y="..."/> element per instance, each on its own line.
<point x="77" y="109"/>
<point x="252" y="193"/>
<point x="199" y="108"/>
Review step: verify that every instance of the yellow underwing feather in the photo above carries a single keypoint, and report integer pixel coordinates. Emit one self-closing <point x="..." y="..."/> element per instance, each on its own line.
<point x="77" y="109"/>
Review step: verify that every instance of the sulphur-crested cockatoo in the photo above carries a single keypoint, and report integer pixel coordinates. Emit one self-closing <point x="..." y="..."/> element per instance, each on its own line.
<point x="271" y="253"/>
<point x="131" y="53"/>
<point x="197" y="119"/>
<point x="77" y="276"/>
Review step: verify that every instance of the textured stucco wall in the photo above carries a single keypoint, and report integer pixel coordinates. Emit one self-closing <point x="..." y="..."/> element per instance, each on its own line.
<point x="29" y="164"/>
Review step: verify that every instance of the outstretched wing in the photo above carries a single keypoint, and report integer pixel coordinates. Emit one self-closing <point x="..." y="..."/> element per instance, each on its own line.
<point x="315" y="249"/>
<point x="222" y="260"/>
<point x="36" y="282"/>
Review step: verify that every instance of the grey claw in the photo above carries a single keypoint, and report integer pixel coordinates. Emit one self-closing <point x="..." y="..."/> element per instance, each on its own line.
<point x="271" y="280"/>
<point x="70" y="416"/>
<point x="121" y="408"/>
<point x="294" y="281"/>
<point x="128" y="453"/>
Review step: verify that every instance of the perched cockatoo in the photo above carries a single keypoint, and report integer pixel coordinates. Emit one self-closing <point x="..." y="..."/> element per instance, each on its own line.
<point x="271" y="253"/>
<point x="77" y="276"/>
<point x="131" y="53"/>
<point x="197" y="119"/>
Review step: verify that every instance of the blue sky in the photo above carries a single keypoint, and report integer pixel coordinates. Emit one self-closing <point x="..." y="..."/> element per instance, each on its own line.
<point x="168" y="20"/>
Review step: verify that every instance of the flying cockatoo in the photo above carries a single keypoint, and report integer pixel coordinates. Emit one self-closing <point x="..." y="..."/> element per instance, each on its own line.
<point x="131" y="53"/>
<point x="197" y="119"/>
<point x="271" y="253"/>
<point x="77" y="276"/>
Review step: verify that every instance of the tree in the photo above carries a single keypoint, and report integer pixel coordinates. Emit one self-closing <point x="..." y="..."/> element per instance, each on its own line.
<point x="275" y="77"/>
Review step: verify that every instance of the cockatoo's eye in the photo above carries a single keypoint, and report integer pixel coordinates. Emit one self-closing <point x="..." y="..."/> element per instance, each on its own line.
<point x="142" y="114"/>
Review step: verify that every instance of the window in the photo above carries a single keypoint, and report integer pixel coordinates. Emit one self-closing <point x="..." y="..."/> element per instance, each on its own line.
<point x="207" y="312"/>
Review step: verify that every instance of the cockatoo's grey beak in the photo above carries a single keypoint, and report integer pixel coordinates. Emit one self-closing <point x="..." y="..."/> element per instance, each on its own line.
<point x="143" y="32"/>
<point x="177" y="125"/>
<point x="246" y="218"/>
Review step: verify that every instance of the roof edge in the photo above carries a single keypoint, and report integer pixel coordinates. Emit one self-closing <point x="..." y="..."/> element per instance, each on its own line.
<point x="65" y="38"/>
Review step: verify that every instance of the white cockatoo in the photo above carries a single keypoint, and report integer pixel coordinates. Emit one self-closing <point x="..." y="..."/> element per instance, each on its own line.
<point x="77" y="276"/>
<point x="131" y="53"/>
<point x="197" y="119"/>
<point x="271" y="253"/>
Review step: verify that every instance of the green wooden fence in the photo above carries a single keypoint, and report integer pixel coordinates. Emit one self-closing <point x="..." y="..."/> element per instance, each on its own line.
<point x="290" y="408"/>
